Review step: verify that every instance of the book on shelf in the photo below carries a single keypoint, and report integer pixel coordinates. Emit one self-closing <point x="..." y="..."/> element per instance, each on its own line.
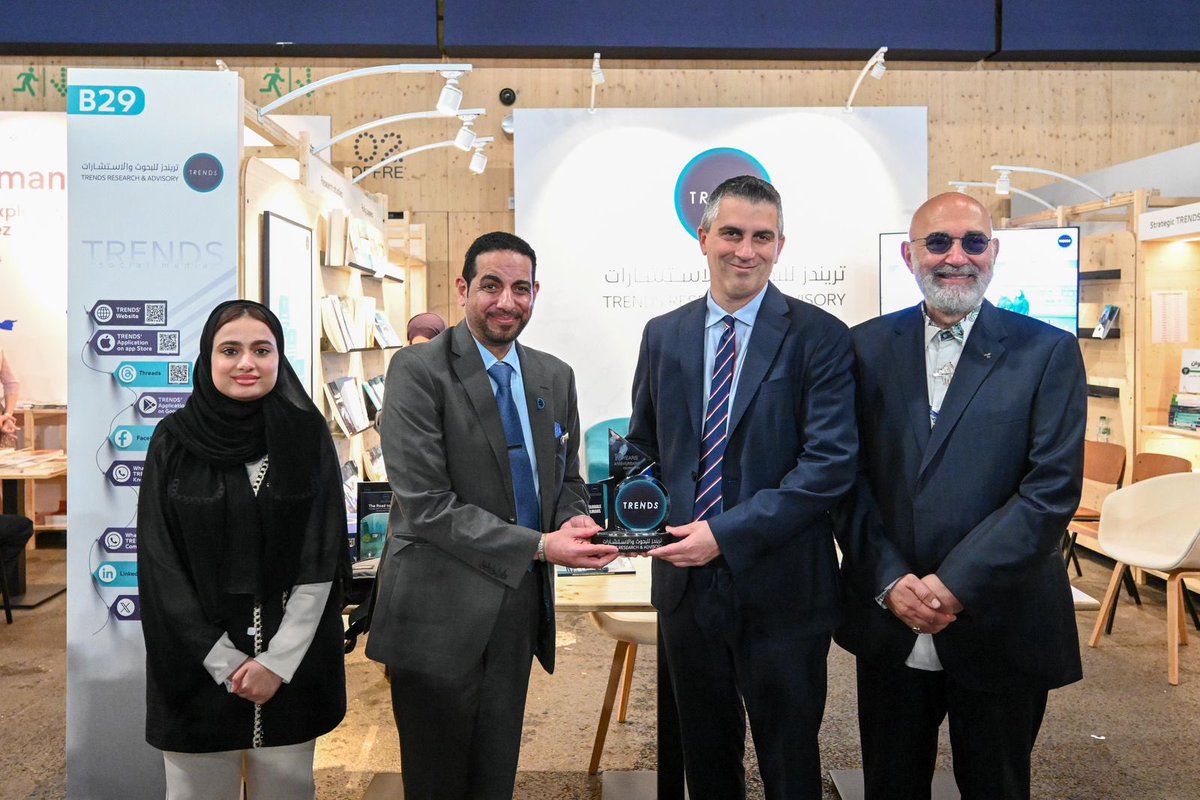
<point x="1108" y="318"/>
<point x="346" y="403"/>
<point x="385" y="334"/>
<point x="373" y="464"/>
<point x="1189" y="372"/>
<point x="1184" y="411"/>
<point x="350" y="480"/>
<point x="335" y="245"/>
<point x="377" y="385"/>
<point x="373" y="393"/>
<point x="333" y="323"/>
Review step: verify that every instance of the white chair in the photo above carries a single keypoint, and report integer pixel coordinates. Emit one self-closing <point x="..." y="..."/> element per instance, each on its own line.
<point x="629" y="628"/>
<point x="1153" y="524"/>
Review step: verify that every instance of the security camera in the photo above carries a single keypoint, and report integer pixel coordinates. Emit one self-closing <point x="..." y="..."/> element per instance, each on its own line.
<point x="508" y="96"/>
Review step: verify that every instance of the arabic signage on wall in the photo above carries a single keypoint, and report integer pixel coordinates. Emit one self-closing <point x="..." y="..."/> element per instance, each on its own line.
<point x="611" y="202"/>
<point x="152" y="168"/>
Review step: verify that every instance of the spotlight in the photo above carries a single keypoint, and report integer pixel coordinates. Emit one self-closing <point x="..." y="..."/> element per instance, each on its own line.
<point x="478" y="162"/>
<point x="465" y="136"/>
<point x="508" y="125"/>
<point x="597" y="73"/>
<point x="508" y="96"/>
<point x="450" y="98"/>
<point x="1004" y="182"/>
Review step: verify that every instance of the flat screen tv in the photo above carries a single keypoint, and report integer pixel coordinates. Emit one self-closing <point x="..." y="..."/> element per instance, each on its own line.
<point x="1036" y="274"/>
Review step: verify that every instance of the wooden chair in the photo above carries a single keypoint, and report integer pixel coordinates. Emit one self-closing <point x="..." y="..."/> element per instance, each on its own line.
<point x="629" y="628"/>
<point x="1103" y="473"/>
<point x="1154" y="524"/>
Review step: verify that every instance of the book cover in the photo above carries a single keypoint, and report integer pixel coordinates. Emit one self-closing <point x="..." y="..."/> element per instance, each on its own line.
<point x="385" y="334"/>
<point x="373" y="464"/>
<point x="350" y="481"/>
<point x="1107" y="318"/>
<point x="1189" y="373"/>
<point x="345" y="401"/>
<point x="331" y="324"/>
<point x="335" y="245"/>
<point x="374" y="502"/>
<point x="622" y="565"/>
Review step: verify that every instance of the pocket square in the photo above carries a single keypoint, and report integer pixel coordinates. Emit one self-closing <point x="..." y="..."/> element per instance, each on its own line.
<point x="562" y="436"/>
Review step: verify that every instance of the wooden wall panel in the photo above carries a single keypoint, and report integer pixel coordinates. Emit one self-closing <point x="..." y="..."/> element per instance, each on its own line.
<point x="1074" y="118"/>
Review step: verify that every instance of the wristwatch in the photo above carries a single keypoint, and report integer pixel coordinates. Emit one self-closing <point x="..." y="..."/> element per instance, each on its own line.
<point x="540" y="555"/>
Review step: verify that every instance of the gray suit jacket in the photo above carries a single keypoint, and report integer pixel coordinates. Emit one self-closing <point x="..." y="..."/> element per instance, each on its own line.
<point x="454" y="547"/>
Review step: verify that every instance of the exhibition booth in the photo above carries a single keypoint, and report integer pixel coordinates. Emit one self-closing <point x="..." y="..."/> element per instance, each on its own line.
<point x="343" y="197"/>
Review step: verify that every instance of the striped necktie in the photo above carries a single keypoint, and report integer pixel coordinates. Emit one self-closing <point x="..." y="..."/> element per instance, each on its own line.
<point x="716" y="426"/>
<point x="528" y="514"/>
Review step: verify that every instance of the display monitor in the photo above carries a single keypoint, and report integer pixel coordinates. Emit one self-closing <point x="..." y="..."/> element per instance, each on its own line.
<point x="1036" y="274"/>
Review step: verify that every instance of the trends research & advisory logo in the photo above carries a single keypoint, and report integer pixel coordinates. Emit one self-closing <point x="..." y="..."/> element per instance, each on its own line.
<point x="203" y="172"/>
<point x="703" y="174"/>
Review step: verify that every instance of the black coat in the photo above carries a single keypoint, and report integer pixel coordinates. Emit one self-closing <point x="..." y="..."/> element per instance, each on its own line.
<point x="181" y="546"/>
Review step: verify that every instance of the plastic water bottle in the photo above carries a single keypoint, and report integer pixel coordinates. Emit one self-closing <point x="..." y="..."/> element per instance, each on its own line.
<point x="1103" y="431"/>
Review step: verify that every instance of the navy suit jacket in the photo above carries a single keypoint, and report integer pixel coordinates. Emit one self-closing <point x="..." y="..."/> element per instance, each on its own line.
<point x="982" y="499"/>
<point x="790" y="456"/>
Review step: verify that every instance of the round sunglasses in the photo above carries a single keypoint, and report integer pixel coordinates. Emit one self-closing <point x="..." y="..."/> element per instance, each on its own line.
<point x="973" y="244"/>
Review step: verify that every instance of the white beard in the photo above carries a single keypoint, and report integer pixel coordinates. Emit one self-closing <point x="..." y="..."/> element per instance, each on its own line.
<point x="953" y="300"/>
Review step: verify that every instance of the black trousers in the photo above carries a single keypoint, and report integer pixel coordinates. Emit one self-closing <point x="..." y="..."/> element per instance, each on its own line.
<point x="991" y="734"/>
<point x="725" y="666"/>
<point x="460" y="734"/>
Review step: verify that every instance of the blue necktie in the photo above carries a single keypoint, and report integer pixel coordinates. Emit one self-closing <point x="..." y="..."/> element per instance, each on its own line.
<point x="716" y="427"/>
<point x="528" y="514"/>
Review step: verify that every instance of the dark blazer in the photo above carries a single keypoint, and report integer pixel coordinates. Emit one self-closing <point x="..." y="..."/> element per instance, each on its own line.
<point x="454" y="545"/>
<point x="982" y="499"/>
<point x="790" y="455"/>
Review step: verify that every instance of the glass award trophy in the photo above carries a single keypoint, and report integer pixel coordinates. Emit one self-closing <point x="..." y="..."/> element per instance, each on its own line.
<point x="633" y="504"/>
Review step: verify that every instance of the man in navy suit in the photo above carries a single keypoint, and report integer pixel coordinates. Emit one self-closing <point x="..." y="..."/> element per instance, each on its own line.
<point x="743" y="397"/>
<point x="972" y="421"/>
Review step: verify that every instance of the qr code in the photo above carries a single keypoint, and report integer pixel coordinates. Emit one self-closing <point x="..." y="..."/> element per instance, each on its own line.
<point x="168" y="343"/>
<point x="179" y="373"/>
<point x="156" y="314"/>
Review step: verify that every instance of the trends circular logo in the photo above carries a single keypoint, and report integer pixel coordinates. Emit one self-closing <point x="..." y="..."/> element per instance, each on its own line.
<point x="641" y="504"/>
<point x="703" y="174"/>
<point x="1065" y="240"/>
<point x="203" y="172"/>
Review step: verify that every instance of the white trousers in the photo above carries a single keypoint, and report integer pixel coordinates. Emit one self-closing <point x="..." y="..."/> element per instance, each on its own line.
<point x="271" y="773"/>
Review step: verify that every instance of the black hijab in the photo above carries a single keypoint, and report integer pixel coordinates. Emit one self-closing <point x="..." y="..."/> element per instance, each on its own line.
<point x="265" y="543"/>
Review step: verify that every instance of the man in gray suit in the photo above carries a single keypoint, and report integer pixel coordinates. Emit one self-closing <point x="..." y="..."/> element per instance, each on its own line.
<point x="466" y="593"/>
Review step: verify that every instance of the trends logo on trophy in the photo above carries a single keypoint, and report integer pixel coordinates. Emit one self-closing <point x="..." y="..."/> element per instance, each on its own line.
<point x="631" y="504"/>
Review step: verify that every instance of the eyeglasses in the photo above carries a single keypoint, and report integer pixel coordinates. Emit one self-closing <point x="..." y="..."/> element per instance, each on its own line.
<point x="973" y="244"/>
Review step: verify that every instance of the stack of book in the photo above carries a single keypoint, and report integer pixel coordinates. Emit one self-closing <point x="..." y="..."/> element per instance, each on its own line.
<point x="348" y="322"/>
<point x="1185" y="412"/>
<point x="346" y="401"/>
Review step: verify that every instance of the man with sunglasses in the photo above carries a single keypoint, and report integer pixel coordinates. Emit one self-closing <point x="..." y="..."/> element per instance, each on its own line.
<point x="971" y="421"/>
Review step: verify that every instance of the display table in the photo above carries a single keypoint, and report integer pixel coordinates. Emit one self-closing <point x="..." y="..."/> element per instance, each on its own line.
<point x="19" y="470"/>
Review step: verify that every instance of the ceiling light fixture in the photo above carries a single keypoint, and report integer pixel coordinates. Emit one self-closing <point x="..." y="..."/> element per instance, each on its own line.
<point x="448" y="101"/>
<point x="472" y="112"/>
<point x="961" y="185"/>
<point x="597" y="79"/>
<point x="1004" y="182"/>
<point x="876" y="67"/>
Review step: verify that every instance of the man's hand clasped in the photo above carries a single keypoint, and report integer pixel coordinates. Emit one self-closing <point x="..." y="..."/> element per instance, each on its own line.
<point x="925" y="605"/>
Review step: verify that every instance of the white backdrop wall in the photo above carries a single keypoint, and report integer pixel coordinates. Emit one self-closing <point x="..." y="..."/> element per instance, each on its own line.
<point x="33" y="251"/>
<point x="610" y="201"/>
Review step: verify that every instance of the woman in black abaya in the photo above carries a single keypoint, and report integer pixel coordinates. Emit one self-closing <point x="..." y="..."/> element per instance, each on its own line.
<point x="241" y="556"/>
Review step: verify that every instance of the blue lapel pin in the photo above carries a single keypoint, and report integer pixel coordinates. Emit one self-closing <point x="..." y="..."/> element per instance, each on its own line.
<point x="541" y="404"/>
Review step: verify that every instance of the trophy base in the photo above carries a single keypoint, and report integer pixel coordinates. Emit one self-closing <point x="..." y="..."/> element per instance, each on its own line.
<point x="632" y="541"/>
